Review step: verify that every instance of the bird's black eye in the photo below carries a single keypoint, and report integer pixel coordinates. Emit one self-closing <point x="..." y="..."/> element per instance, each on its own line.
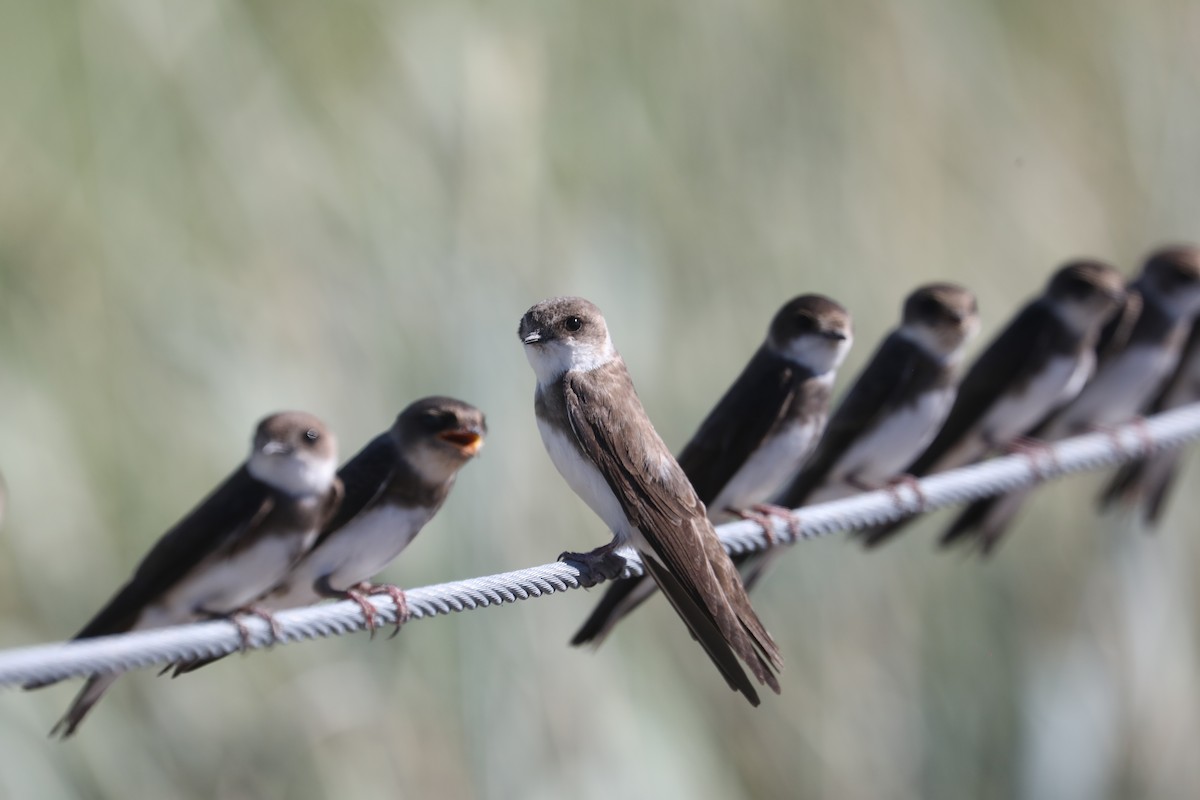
<point x="312" y="435"/>
<point x="573" y="323"/>
<point x="437" y="420"/>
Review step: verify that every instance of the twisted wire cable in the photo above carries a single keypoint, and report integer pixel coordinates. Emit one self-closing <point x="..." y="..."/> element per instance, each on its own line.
<point x="122" y="652"/>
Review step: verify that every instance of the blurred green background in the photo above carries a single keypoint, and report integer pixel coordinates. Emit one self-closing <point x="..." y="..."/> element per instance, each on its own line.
<point x="209" y="211"/>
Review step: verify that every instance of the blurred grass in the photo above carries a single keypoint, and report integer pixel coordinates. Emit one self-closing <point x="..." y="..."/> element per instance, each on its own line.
<point x="213" y="210"/>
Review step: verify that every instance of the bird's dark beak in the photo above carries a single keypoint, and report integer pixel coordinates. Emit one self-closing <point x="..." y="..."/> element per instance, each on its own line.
<point x="468" y="439"/>
<point x="528" y="331"/>
<point x="836" y="336"/>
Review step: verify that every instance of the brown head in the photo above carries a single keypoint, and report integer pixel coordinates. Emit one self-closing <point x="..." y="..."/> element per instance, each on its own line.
<point x="1085" y="293"/>
<point x="439" y="435"/>
<point x="294" y="453"/>
<point x="942" y="318"/>
<point x="1172" y="276"/>
<point x="812" y="331"/>
<point x="564" y="334"/>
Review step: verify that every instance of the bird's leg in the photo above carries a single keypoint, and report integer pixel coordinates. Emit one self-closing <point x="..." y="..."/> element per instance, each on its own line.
<point x="764" y="513"/>
<point x="231" y="618"/>
<point x="368" y="610"/>
<point x="397" y="595"/>
<point x="1038" y="452"/>
<point x="264" y="614"/>
<point x="322" y="587"/>
<point x="914" y="485"/>
<point x="1140" y="431"/>
<point x="603" y="561"/>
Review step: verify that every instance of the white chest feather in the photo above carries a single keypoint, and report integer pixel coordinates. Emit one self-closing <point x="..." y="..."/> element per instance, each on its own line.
<point x="357" y="552"/>
<point x="769" y="467"/>
<point x="1016" y="413"/>
<point x="584" y="478"/>
<point x="883" y="452"/>
<point x="221" y="585"/>
<point x="1119" y="391"/>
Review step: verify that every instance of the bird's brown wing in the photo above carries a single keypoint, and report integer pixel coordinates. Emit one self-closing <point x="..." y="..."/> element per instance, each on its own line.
<point x="233" y="508"/>
<point x="888" y="376"/>
<point x="1009" y="361"/>
<point x="1116" y="332"/>
<point x="743" y="418"/>
<point x="362" y="478"/>
<point x="612" y="429"/>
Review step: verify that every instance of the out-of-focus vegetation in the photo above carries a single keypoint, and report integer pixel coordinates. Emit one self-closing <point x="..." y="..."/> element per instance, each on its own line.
<point x="213" y="210"/>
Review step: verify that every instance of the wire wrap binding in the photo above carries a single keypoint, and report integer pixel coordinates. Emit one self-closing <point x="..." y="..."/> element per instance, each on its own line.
<point x="161" y="646"/>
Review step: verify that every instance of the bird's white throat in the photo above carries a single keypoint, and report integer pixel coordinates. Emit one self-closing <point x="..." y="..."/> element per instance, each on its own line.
<point x="552" y="359"/>
<point x="291" y="474"/>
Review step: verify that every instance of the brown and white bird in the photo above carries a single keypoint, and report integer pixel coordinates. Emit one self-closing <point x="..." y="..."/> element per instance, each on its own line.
<point x="1163" y="302"/>
<point x="1039" y="362"/>
<point x="393" y="487"/>
<point x="897" y="403"/>
<point x="601" y="441"/>
<point x="755" y="438"/>
<point x="1148" y="481"/>
<point x="241" y="540"/>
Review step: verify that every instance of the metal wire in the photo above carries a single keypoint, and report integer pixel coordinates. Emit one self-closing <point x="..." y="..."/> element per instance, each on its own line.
<point x="207" y="639"/>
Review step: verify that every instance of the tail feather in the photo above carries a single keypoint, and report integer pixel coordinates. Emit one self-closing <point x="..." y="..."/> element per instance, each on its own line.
<point x="88" y="696"/>
<point x="706" y="631"/>
<point x="739" y="601"/>
<point x="1124" y="486"/>
<point x="1156" y="496"/>
<point x="985" y="521"/>
<point x="618" y="602"/>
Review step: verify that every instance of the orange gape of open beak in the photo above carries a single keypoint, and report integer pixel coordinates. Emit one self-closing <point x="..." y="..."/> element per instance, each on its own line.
<point x="467" y="440"/>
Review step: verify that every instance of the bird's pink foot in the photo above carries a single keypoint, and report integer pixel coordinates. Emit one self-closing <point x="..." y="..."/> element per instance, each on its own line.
<point x="398" y="597"/>
<point x="1041" y="456"/>
<point x="914" y="486"/>
<point x="764" y="515"/>
<point x="368" y="610"/>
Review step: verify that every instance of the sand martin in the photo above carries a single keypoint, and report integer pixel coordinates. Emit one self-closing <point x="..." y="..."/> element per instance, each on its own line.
<point x="896" y="406"/>
<point x="757" y="436"/>
<point x="601" y="441"/>
<point x="1148" y="481"/>
<point x="1034" y="366"/>
<point x="393" y="487"/>
<point x="238" y="542"/>
<point x="1131" y="373"/>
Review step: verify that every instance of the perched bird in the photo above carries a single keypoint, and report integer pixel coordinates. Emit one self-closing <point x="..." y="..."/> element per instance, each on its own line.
<point x="896" y="406"/>
<point x="1131" y="373"/>
<point x="1148" y="480"/>
<point x="237" y="543"/>
<point x="602" y="443"/>
<point x="393" y="486"/>
<point x="1034" y="366"/>
<point x="757" y="436"/>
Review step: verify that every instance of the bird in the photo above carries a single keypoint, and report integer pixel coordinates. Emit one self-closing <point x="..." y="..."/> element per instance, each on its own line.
<point x="240" y="540"/>
<point x="757" y="436"/>
<point x="1148" y="481"/>
<point x="896" y="405"/>
<point x="1163" y="302"/>
<point x="393" y="487"/>
<point x="1038" y="362"/>
<point x="601" y="441"/>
